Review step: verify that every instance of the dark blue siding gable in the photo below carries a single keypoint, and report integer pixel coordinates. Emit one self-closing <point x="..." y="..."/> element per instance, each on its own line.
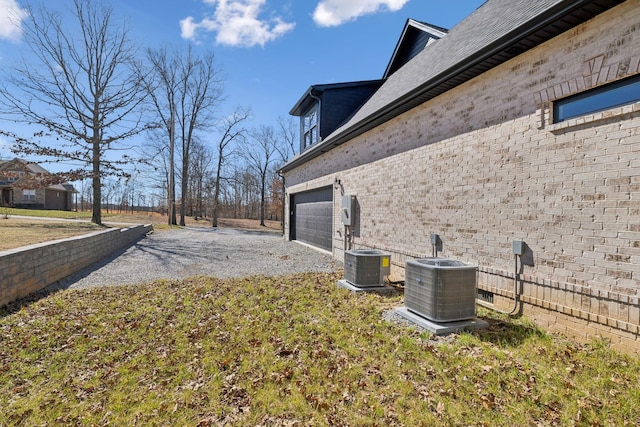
<point x="338" y="105"/>
<point x="415" y="37"/>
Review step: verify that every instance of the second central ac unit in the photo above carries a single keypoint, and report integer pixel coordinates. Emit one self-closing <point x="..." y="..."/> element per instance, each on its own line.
<point x="440" y="289"/>
<point x="366" y="267"/>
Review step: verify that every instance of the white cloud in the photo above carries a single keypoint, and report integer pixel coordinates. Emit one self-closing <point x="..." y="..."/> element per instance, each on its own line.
<point x="188" y="28"/>
<point x="237" y="23"/>
<point x="330" y="13"/>
<point x="11" y="17"/>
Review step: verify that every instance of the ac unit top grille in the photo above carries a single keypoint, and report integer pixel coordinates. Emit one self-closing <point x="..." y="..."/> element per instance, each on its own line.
<point x="441" y="262"/>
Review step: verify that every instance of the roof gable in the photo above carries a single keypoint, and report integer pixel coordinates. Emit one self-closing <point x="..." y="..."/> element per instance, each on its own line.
<point x="14" y="165"/>
<point x="415" y="37"/>
<point x="13" y="171"/>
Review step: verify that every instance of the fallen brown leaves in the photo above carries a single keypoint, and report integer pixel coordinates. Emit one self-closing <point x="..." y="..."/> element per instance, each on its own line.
<point x="289" y="351"/>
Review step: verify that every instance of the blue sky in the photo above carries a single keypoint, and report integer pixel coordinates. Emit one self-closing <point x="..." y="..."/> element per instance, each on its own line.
<point x="269" y="51"/>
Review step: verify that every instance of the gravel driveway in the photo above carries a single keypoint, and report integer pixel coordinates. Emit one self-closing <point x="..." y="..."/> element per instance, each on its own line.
<point x="219" y="252"/>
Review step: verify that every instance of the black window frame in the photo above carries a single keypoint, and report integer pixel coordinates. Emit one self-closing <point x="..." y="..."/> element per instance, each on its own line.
<point x="597" y="99"/>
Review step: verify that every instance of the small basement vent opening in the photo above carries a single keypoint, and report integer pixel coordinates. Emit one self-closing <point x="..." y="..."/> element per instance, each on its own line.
<point x="485" y="296"/>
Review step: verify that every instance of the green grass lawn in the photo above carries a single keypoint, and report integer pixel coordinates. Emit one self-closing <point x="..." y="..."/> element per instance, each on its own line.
<point x="287" y="351"/>
<point x="159" y="221"/>
<point x="45" y="213"/>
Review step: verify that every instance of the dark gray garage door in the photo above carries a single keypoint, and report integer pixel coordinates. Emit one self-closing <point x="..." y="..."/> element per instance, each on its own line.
<point x="312" y="217"/>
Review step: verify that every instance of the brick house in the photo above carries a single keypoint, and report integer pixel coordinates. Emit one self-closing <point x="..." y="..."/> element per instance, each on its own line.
<point x="520" y="124"/>
<point x="24" y="185"/>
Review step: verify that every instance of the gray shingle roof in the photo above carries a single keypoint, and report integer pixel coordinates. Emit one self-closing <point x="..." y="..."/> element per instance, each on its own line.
<point x="491" y="21"/>
<point x="495" y="32"/>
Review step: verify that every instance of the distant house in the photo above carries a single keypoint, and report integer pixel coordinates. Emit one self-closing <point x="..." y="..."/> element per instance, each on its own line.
<point x="520" y="124"/>
<point x="25" y="185"/>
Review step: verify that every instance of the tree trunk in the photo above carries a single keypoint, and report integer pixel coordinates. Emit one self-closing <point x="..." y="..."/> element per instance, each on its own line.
<point x="216" y="192"/>
<point x="262" y="194"/>
<point x="96" y="216"/>
<point x="184" y="186"/>
<point x="216" y="204"/>
<point x="172" y="174"/>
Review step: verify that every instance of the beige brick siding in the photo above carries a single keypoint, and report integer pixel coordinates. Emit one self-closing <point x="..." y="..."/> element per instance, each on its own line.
<point x="482" y="165"/>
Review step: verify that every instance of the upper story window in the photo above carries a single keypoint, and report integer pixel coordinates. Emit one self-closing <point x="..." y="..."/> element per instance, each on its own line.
<point x="13" y="176"/>
<point x="309" y="128"/>
<point x="612" y="95"/>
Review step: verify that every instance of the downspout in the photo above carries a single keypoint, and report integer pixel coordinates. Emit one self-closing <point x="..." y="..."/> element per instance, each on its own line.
<point x="284" y="198"/>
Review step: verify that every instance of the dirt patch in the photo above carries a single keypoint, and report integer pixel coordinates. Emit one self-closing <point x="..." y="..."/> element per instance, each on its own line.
<point x="17" y="232"/>
<point x="160" y="221"/>
<point x="251" y="224"/>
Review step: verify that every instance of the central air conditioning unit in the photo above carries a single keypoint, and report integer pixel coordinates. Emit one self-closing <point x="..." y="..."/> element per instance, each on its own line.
<point x="440" y="289"/>
<point x="366" y="267"/>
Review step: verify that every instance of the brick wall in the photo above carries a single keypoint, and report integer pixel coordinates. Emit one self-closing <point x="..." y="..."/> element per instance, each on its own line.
<point x="31" y="268"/>
<point x="482" y="165"/>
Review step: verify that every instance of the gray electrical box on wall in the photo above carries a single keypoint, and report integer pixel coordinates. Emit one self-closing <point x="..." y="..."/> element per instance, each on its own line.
<point x="348" y="210"/>
<point x="518" y="247"/>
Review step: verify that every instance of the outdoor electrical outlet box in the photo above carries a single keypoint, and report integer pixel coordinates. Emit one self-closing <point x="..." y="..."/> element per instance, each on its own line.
<point x="348" y="210"/>
<point x="518" y="247"/>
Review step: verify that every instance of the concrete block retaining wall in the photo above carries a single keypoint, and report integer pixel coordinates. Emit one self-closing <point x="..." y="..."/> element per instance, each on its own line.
<point x="30" y="268"/>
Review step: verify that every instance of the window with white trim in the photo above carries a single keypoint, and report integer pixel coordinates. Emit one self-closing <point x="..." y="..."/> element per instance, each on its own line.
<point x="28" y="194"/>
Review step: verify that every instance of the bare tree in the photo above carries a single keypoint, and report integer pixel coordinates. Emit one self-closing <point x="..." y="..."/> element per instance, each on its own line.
<point x="162" y="85"/>
<point x="184" y="89"/>
<point x="110" y="188"/>
<point x="288" y="135"/>
<point x="259" y="153"/>
<point x="156" y="152"/>
<point x="231" y="129"/>
<point x="201" y="159"/>
<point x="85" y="195"/>
<point x="201" y="92"/>
<point x="78" y="88"/>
